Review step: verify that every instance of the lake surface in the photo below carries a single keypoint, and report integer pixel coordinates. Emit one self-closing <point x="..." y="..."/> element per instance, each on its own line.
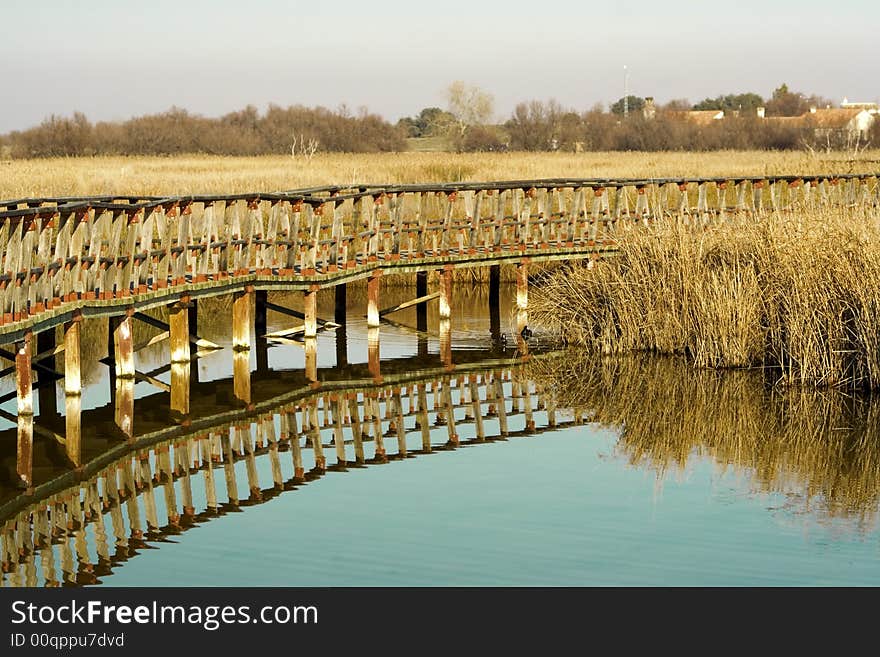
<point x="622" y="472"/>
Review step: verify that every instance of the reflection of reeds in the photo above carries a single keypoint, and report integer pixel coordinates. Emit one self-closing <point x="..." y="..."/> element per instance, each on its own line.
<point x="820" y="449"/>
<point x="797" y="292"/>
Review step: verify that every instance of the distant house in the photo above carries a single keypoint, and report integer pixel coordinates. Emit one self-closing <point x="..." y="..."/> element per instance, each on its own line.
<point x="835" y="123"/>
<point x="698" y="117"/>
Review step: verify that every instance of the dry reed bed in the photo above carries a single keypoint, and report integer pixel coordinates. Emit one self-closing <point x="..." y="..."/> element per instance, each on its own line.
<point x="820" y="449"/>
<point x="194" y="174"/>
<point x="794" y="292"/>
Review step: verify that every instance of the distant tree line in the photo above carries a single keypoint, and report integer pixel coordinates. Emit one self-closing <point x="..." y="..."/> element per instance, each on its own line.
<point x="467" y="124"/>
<point x="630" y="124"/>
<point x="290" y="130"/>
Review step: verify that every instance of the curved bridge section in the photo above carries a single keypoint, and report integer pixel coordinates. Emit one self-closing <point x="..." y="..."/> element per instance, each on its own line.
<point x="106" y="255"/>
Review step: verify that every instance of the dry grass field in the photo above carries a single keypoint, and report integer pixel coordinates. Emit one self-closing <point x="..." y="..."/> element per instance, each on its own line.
<point x="215" y="174"/>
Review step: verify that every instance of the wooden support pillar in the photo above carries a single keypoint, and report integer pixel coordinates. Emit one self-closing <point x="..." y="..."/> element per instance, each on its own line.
<point x="373" y="299"/>
<point x="179" y="330"/>
<point x="193" y="320"/>
<point x="445" y="276"/>
<point x="310" y="309"/>
<point x="261" y="298"/>
<point x="340" y="294"/>
<point x="23" y="375"/>
<point x="241" y="319"/>
<point x="122" y="346"/>
<point x="72" y="357"/>
<point x="46" y="390"/>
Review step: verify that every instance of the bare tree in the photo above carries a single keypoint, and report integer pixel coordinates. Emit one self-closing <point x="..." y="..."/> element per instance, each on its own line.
<point x="470" y="105"/>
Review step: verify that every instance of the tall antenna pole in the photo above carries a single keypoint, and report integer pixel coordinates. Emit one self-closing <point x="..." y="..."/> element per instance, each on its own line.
<point x="625" y="92"/>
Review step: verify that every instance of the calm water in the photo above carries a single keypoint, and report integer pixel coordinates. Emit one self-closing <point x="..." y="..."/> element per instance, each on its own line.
<point x="673" y="477"/>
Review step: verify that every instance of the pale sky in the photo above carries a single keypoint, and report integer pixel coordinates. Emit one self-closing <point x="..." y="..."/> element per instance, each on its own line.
<point x="113" y="59"/>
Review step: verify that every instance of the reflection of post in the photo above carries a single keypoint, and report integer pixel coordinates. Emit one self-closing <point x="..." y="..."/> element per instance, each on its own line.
<point x="241" y="375"/>
<point x="522" y="285"/>
<point x="25" y="449"/>
<point x="124" y="406"/>
<point x="341" y="347"/>
<point x="494" y="286"/>
<point x="261" y="298"/>
<point x="522" y="321"/>
<point x="445" y="280"/>
<point x="422" y="308"/>
<point x="180" y="378"/>
<point x="73" y="431"/>
<point x="373" y="299"/>
<point x="357" y="436"/>
<point x="314" y="434"/>
<point x="241" y="319"/>
<point x="373" y="361"/>
<point x="422" y="419"/>
<point x="338" y="437"/>
<point x="340" y="303"/>
<point x="311" y="349"/>
<point x="446" y="342"/>
<point x="310" y="309"/>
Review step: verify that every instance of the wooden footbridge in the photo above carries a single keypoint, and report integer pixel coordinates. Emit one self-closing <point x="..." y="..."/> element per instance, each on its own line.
<point x="65" y="259"/>
<point x="79" y="524"/>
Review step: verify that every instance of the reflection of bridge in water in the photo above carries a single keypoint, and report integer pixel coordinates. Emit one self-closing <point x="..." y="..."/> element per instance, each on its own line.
<point x="75" y="525"/>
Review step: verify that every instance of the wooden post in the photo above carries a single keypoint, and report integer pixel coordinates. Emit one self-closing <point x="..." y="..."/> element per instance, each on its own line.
<point x="373" y="299"/>
<point x="72" y="357"/>
<point x="241" y="319"/>
<point x="178" y="328"/>
<point x="340" y="294"/>
<point x="445" y="276"/>
<point x="310" y="309"/>
<point x="24" y="375"/>
<point x="193" y="321"/>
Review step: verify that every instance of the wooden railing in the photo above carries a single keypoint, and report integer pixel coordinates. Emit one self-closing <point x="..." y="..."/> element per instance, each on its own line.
<point x="58" y="255"/>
